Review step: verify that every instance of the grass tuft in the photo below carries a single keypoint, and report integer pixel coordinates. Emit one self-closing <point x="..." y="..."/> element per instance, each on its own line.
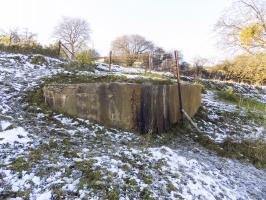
<point x="20" y="164"/>
<point x="250" y="104"/>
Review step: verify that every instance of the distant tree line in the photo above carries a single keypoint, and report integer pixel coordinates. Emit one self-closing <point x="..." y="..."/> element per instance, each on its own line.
<point x="16" y="41"/>
<point x="136" y="50"/>
<point x="71" y="34"/>
<point x="248" y="68"/>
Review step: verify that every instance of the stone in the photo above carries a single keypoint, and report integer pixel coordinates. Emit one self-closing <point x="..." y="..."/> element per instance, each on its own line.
<point x="143" y="108"/>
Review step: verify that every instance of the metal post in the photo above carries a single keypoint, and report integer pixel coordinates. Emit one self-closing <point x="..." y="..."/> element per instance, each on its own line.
<point x="59" y="48"/>
<point x="149" y="58"/>
<point x="179" y="87"/>
<point x="110" y="60"/>
<point x="151" y="61"/>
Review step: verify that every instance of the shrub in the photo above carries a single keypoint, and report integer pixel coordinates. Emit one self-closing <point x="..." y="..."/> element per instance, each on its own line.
<point x="83" y="62"/>
<point x="245" y="68"/>
<point x="203" y="87"/>
<point x="85" y="58"/>
<point x="228" y="95"/>
<point x="79" y="66"/>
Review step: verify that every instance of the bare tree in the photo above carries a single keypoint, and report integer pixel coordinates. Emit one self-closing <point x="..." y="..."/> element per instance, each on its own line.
<point x="131" y="47"/>
<point x="243" y="26"/>
<point x="199" y="63"/>
<point x="16" y="37"/>
<point x="74" y="33"/>
<point x="10" y="37"/>
<point x="28" y="37"/>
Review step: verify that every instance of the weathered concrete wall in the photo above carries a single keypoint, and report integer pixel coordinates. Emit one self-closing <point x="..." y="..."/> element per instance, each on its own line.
<point x="136" y="107"/>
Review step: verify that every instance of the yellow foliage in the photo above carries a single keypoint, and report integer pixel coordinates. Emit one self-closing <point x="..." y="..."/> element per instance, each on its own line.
<point x="250" y="68"/>
<point x="5" y="40"/>
<point x="84" y="57"/>
<point x="251" y="33"/>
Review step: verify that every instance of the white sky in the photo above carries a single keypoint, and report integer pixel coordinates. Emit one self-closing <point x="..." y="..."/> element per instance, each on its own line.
<point x="186" y="25"/>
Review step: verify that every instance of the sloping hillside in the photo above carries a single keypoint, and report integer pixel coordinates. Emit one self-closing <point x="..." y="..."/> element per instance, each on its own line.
<point x="46" y="155"/>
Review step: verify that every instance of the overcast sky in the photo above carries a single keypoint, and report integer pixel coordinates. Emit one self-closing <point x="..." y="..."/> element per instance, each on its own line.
<point x="186" y="25"/>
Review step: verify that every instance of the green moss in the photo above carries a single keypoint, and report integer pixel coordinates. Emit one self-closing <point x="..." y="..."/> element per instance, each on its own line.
<point x="160" y="163"/>
<point x="58" y="194"/>
<point x="70" y="154"/>
<point x="131" y="182"/>
<point x="93" y="177"/>
<point x="146" y="194"/>
<point x="125" y="167"/>
<point x="68" y="172"/>
<point x="36" y="98"/>
<point x="53" y="144"/>
<point x="171" y="187"/>
<point x="102" y="186"/>
<point x="147" y="180"/>
<point x="67" y="142"/>
<point x="41" y="172"/>
<point x="27" y="193"/>
<point x="82" y="183"/>
<point x="90" y="176"/>
<point x="24" y="194"/>
<point x="113" y="195"/>
<point x="109" y="176"/>
<point x="82" y="165"/>
<point x="35" y="155"/>
<point x="20" y="165"/>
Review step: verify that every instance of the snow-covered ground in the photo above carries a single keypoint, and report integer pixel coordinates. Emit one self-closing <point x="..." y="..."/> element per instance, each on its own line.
<point x="130" y="72"/>
<point x="225" y="120"/>
<point x="44" y="156"/>
<point x="250" y="91"/>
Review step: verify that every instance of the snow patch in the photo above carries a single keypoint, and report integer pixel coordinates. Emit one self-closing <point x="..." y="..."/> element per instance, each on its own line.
<point x="14" y="135"/>
<point x="45" y="196"/>
<point x="4" y="125"/>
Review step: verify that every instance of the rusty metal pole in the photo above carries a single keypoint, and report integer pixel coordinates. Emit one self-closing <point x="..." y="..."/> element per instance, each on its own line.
<point x="151" y="61"/>
<point x="179" y="87"/>
<point x="59" y="48"/>
<point x="149" y="58"/>
<point x="147" y="65"/>
<point x="110" y="60"/>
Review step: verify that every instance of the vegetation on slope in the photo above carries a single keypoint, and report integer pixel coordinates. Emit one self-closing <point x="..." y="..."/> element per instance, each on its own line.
<point x="229" y="96"/>
<point x="249" y="68"/>
<point x="63" y="78"/>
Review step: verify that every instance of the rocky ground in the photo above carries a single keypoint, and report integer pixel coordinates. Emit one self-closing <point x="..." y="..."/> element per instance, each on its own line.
<point x="45" y="155"/>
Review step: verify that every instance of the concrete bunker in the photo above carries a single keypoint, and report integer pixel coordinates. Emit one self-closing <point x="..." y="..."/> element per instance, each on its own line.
<point x="142" y="108"/>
